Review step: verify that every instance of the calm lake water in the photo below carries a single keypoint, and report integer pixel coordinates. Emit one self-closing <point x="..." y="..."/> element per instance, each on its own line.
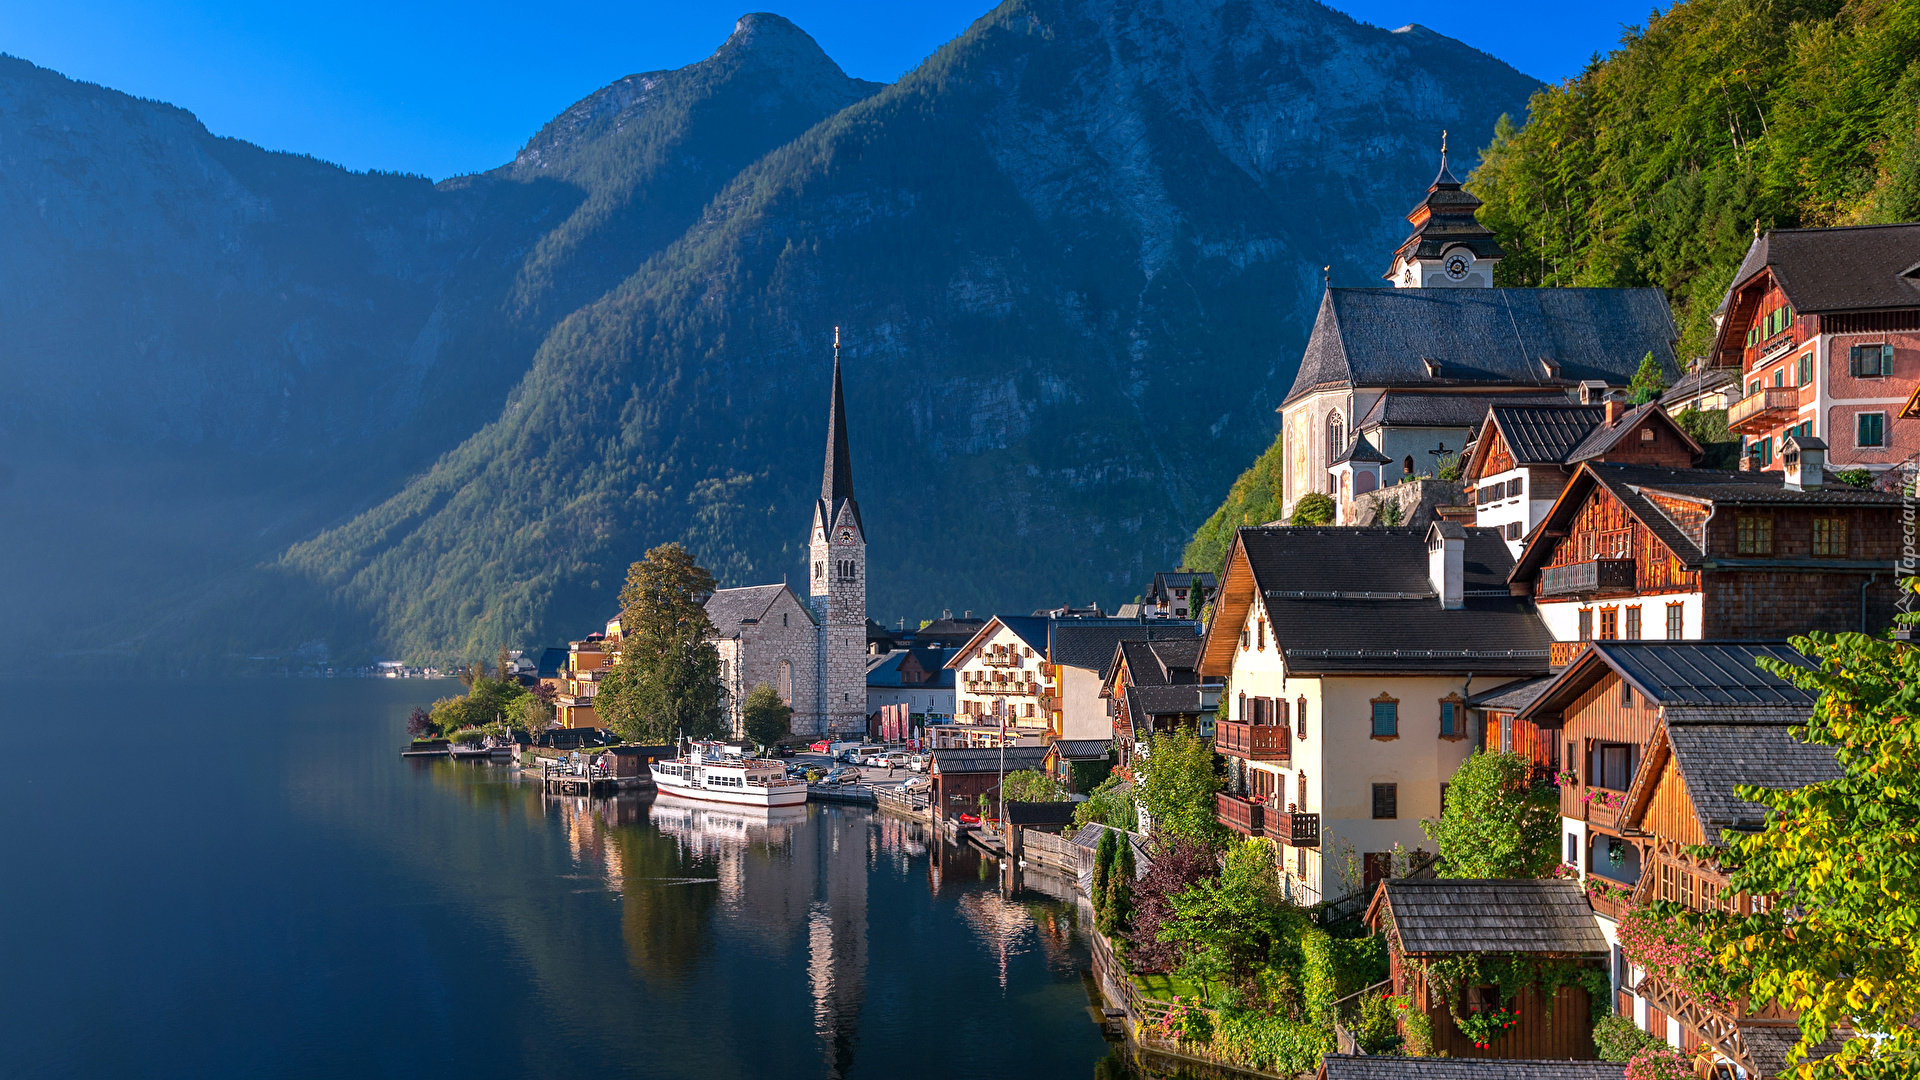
<point x="245" y="879"/>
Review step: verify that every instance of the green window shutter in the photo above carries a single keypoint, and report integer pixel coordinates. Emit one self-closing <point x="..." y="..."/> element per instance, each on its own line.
<point x="1386" y="719"/>
<point x="1886" y="359"/>
<point x="1446" y="718"/>
<point x="1853" y="360"/>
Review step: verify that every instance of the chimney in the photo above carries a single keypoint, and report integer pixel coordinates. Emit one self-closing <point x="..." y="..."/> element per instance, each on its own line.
<point x="1613" y="411"/>
<point x="1804" y="458"/>
<point x="1446" y="562"/>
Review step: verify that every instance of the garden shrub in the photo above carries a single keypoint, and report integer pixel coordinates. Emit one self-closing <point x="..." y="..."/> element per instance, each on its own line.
<point x="1265" y="1042"/>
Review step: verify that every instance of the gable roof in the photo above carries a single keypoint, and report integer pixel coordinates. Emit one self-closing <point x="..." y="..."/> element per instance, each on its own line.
<point x="727" y="609"/>
<point x="1343" y="599"/>
<point x="1715" y="759"/>
<point x="1092" y="644"/>
<point x="1411" y="408"/>
<point x="1039" y="813"/>
<point x="884" y="671"/>
<point x="552" y="659"/>
<point x="1160" y="662"/>
<point x="1856" y="268"/>
<point x="1080" y="749"/>
<point x="1165" y="700"/>
<point x="1605" y="437"/>
<point x="1166" y="580"/>
<point x="1535" y="434"/>
<point x="1512" y="697"/>
<point x="1632" y="484"/>
<point x="1691" y="680"/>
<point x="1384" y="337"/>
<point x="1031" y="630"/>
<point x="1385" y="1067"/>
<point x="1361" y="451"/>
<point x="1466" y="915"/>
<point x="979" y="760"/>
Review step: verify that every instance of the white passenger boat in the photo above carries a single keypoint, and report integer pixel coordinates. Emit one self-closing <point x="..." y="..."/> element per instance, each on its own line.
<point x="715" y="772"/>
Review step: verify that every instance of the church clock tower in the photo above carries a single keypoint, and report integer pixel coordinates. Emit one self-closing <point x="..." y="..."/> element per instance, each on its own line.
<point x="837" y="556"/>
<point x="1449" y="248"/>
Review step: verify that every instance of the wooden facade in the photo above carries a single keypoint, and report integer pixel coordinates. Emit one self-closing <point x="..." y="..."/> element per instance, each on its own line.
<point x="1603" y="528"/>
<point x="1563" y="1031"/>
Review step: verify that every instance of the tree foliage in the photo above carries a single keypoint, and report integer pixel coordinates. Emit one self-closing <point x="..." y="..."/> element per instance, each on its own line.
<point x="1030" y="785"/>
<point x="665" y="680"/>
<point x="1497" y="821"/>
<point x="766" y="718"/>
<point x="1254" y="499"/>
<point x="1648" y="382"/>
<point x="1109" y="804"/>
<point x="1708" y="427"/>
<point x="1176" y="864"/>
<point x="1224" y="924"/>
<point x="1653" y="166"/>
<point x="1179" y="786"/>
<point x="1314" y="508"/>
<point x="1842" y="858"/>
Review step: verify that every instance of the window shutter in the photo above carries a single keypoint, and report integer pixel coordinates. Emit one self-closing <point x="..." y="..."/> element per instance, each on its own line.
<point x="1853" y="360"/>
<point x="1446" y="718"/>
<point x="1385" y="718"/>
<point x="1886" y="359"/>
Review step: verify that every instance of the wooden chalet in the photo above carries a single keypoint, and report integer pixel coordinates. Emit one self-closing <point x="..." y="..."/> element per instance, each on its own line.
<point x="1525" y="454"/>
<point x="1658" y="736"/>
<point x="1384" y="1067"/>
<point x="1155" y="687"/>
<point x="1545" y="918"/>
<point x="1633" y="552"/>
<point x="961" y="776"/>
<point x="1081" y="764"/>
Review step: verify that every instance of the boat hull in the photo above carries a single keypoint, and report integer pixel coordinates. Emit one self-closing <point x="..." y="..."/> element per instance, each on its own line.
<point x="789" y="796"/>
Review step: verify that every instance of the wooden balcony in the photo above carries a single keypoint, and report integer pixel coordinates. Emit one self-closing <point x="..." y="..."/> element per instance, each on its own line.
<point x="1000" y="660"/>
<point x="1595" y="577"/>
<point x="1757" y="414"/>
<point x="984" y="687"/>
<point x="1562" y="653"/>
<point x="1293" y="828"/>
<point x="1253" y="742"/>
<point x="1242" y="815"/>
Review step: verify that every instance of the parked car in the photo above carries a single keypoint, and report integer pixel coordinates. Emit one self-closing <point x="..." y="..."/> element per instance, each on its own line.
<point x="895" y="760"/>
<point x="917" y="763"/>
<point x="843" y="776"/>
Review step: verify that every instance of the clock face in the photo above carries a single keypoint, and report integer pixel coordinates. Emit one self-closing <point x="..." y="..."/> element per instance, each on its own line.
<point x="1457" y="266"/>
<point x="846" y="536"/>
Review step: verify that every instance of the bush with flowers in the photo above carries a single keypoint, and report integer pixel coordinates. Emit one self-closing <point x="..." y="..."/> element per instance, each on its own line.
<point x="1660" y="937"/>
<point x="1483" y="1026"/>
<point x="1661" y="1062"/>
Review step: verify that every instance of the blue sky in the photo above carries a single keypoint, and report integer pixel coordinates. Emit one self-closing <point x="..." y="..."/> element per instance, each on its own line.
<point x="443" y="88"/>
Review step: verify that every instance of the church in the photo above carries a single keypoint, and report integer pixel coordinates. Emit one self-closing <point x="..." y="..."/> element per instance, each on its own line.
<point x="813" y="652"/>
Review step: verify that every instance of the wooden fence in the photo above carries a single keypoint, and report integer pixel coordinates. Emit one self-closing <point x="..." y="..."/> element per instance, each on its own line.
<point x="1050" y="851"/>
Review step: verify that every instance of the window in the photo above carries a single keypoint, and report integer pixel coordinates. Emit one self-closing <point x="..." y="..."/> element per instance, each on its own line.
<point x="1303" y="791"/>
<point x="1513" y="488"/>
<point x="819" y="568"/>
<point x="1609" y="623"/>
<point x="1754" y="535"/>
<point x="1870" y="361"/>
<point x="1386" y="800"/>
<point x="1300" y="714"/>
<point x="1407" y="465"/>
<point x="1647" y="435"/>
<point x="1633" y="623"/>
<point x="1243" y="637"/>
<point x="1780" y="376"/>
<point x="783" y="617"/>
<point x="1244" y="718"/>
<point x="1280" y="717"/>
<point x="1452" y="723"/>
<point x="1260" y="633"/>
<point x="1830" y="537"/>
<point x="786" y="682"/>
<point x="1675" y="612"/>
<point x="1336" y="437"/>
<point x="1626" y="694"/>
<point x="1513" y="530"/>
<point x="1506" y="733"/>
<point x="1573" y="756"/>
<point x="1586" y="624"/>
<point x="1386" y="718"/>
<point x="1753" y="387"/>
<point x="1870" y="429"/>
<point x="1614" y="762"/>
<point x="1806" y="369"/>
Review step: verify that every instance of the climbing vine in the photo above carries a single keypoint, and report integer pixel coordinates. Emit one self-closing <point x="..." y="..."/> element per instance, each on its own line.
<point x="1509" y="973"/>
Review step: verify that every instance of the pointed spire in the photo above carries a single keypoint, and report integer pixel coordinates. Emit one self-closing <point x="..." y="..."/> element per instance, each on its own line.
<point x="1445" y="177"/>
<point x="837" y="482"/>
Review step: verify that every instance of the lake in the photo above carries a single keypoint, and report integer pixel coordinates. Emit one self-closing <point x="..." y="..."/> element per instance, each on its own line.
<point x="245" y="879"/>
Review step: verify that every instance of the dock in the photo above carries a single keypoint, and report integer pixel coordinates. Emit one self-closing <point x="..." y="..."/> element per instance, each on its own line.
<point x="564" y="781"/>
<point x="860" y="794"/>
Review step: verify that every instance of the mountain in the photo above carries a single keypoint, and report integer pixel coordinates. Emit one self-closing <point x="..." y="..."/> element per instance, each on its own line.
<point x="1074" y="254"/>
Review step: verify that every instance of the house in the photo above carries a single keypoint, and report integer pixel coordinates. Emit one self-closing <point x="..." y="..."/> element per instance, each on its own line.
<point x="1823" y="327"/>
<point x="1705" y="389"/>
<point x="1081" y="764"/>
<point x="916" y="676"/>
<point x="1525" y="454"/>
<point x="1415" y="367"/>
<point x="1349" y="655"/>
<point x="575" y="685"/>
<point x="1547" y="920"/>
<point x="1002" y="692"/>
<point x="1658" y="736"/>
<point x="1154" y="686"/>
<point x="1178" y="594"/>
<point x="1079" y="652"/>
<point x="1634" y="551"/>
<point x="961" y="777"/>
<point x="1387" y="1067"/>
<point x="765" y="634"/>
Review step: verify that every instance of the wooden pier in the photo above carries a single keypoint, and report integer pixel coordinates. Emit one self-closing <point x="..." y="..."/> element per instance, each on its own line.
<point x="563" y="781"/>
<point x="846" y="793"/>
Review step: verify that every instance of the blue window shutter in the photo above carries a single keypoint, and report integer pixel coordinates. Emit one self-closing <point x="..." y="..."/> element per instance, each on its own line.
<point x="1446" y="718"/>
<point x="1385" y="718"/>
<point x="1886" y="359"/>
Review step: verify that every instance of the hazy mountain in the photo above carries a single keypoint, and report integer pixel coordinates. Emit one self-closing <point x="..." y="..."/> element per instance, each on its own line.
<point x="1075" y="254"/>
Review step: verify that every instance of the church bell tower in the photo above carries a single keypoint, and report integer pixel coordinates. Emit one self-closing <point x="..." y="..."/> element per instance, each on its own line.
<point x="837" y="557"/>
<point x="1449" y="248"/>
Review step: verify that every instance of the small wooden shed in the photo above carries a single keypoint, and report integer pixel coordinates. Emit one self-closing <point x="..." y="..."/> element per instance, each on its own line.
<point x="1527" y="924"/>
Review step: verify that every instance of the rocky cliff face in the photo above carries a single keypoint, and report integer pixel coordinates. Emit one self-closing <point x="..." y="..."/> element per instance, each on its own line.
<point x="1073" y="254"/>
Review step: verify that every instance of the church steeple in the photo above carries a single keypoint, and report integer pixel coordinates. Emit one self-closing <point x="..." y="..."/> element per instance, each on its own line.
<point x="836" y="483"/>
<point x="1449" y="247"/>
<point x="838" y="593"/>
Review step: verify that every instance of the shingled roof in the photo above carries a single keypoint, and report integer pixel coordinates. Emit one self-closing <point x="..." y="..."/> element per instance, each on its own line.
<point x="1090" y="644"/>
<point x="1359" y="600"/>
<point x="1467" y="915"/>
<point x="728" y="608"/>
<point x="1544" y="434"/>
<point x="1412" y="408"/>
<point x="1692" y="681"/>
<point x="983" y="760"/>
<point x="1847" y="269"/>
<point x="1184" y="699"/>
<point x="1387" y="1067"/>
<point x="1714" y="759"/>
<point x="1389" y="337"/>
<point x="1160" y="662"/>
<point x="1604" y="437"/>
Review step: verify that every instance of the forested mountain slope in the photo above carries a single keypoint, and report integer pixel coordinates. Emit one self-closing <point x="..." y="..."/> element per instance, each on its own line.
<point x="1073" y="254"/>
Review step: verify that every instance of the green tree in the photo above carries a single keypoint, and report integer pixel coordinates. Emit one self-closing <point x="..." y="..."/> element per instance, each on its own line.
<point x="1223" y="926"/>
<point x="1497" y="821"/>
<point x="1708" y="427"/>
<point x="1109" y="804"/>
<point x="1179" y="787"/>
<point x="1648" y="382"/>
<point x="1029" y="785"/>
<point x="665" y="680"/>
<point x="531" y="714"/>
<point x="1313" y="509"/>
<point x="1117" y="912"/>
<point x="1254" y="499"/>
<point x="1103" y="856"/>
<point x="766" y="718"/>
<point x="1842" y="944"/>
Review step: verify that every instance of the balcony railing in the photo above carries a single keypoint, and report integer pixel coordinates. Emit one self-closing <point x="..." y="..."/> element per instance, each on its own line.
<point x="1293" y="828"/>
<point x="1562" y="653"/>
<point x="1000" y="660"/>
<point x="1761" y="412"/>
<point x="985" y="687"/>
<point x="1242" y="815"/>
<point x="1587" y="579"/>
<point x="1254" y="742"/>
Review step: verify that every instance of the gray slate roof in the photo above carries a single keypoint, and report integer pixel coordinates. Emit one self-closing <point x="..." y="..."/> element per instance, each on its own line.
<point x="1604" y="438"/>
<point x="1461" y="915"/>
<point x="1163" y="700"/>
<point x="884" y="671"/>
<point x="973" y="760"/>
<point x="1160" y="663"/>
<point x="1545" y="434"/>
<point x="1714" y="759"/>
<point x="1850" y="269"/>
<point x="1383" y="337"/>
<point x="1040" y="813"/>
<point x="1362" y="451"/>
<point x="1512" y="697"/>
<point x="1081" y="749"/>
<point x="1411" y="408"/>
<point x="1714" y="673"/>
<point x="728" y="608"/>
<point x="1091" y="643"/>
<point x="1379" y="1067"/>
<point x="1368" y="605"/>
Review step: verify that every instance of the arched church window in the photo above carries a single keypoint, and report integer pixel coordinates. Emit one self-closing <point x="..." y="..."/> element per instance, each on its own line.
<point x="1336" y="437"/>
<point x="786" y="682"/>
<point x="1407" y="465"/>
